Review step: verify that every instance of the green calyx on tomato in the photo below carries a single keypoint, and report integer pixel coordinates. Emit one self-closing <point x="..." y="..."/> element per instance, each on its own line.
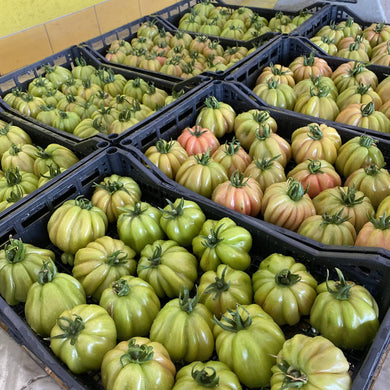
<point x="186" y="303"/>
<point x="342" y="288"/>
<point x="238" y="179"/>
<point x="211" y="101"/>
<point x="204" y="378"/>
<point x="366" y="141"/>
<point x="121" y="287"/>
<point x="232" y="147"/>
<point x="113" y="259"/>
<point x="266" y="163"/>
<point x="286" y="278"/>
<point x="295" y="189"/>
<point x="261" y="116"/>
<point x="175" y="211"/>
<point x="15" y="251"/>
<point x="83" y="203"/>
<point x="136" y="353"/>
<point x="272" y="83"/>
<point x="322" y="91"/>
<point x="314" y="167"/>
<point x="315" y="132"/>
<point x="212" y="239"/>
<point x="155" y="259"/>
<point x="14" y="150"/>
<point x="12" y="176"/>
<point x="382" y="223"/>
<point x="46" y="274"/>
<point x="372" y="170"/>
<point x="349" y="198"/>
<point x="163" y="146"/>
<point x="265" y="132"/>
<point x="367" y="109"/>
<point x="203" y="158"/>
<point x="219" y="286"/>
<point x="71" y="328"/>
<point x="293" y="378"/>
<point x="309" y="61"/>
<point x="236" y="323"/>
<point x="335" y="219"/>
<point x="112" y="186"/>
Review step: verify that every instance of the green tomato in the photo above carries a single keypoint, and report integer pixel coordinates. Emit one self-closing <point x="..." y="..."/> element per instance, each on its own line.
<point x="345" y="313"/>
<point x="224" y="288"/>
<point x="284" y="289"/>
<point x="247" y="341"/>
<point x="167" y="267"/>
<point x="138" y="364"/>
<point x="133" y="305"/>
<point x="102" y="262"/>
<point x="81" y="337"/>
<point x="222" y="242"/>
<point x="140" y="225"/>
<point x="211" y="374"/>
<point x="182" y="221"/>
<point x="19" y="268"/>
<point x="313" y="362"/>
<point x="49" y="296"/>
<point x="184" y="327"/>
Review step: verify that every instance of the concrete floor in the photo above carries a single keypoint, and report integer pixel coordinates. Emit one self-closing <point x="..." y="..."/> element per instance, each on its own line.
<point x="20" y="370"/>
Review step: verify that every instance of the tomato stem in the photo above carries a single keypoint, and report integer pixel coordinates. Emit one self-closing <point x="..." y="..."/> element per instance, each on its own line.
<point x="314" y="167"/>
<point x="46" y="274"/>
<point x="382" y="223"/>
<point x="15" y="251"/>
<point x="219" y="286"/>
<point x="295" y="189"/>
<point x="71" y="328"/>
<point x="335" y="219"/>
<point x="175" y="211"/>
<point x="236" y="323"/>
<point x="266" y="163"/>
<point x="342" y="288"/>
<point x="205" y="379"/>
<point x="113" y="259"/>
<point x="121" y="287"/>
<point x="286" y="278"/>
<point x="212" y="239"/>
<point x="212" y="102"/>
<point x="293" y="378"/>
<point x="111" y="186"/>
<point x="186" y="303"/>
<point x="12" y="176"/>
<point x="349" y="198"/>
<point x="315" y="132"/>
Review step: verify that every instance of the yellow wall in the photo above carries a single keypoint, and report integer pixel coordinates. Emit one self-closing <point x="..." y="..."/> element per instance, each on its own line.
<point x="33" y="44"/>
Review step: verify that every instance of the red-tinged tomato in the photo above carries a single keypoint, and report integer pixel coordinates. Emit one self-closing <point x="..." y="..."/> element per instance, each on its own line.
<point x="133" y="305"/>
<point x="310" y="362"/>
<point x="304" y="66"/>
<point x="201" y="174"/>
<point x="355" y="51"/>
<point x="247" y="340"/>
<point x="198" y="140"/>
<point x="246" y="124"/>
<point x="82" y="336"/>
<point x="373" y="181"/>
<point x="138" y="363"/>
<point x="266" y="171"/>
<point x="168" y="156"/>
<point x="376" y="33"/>
<point x="101" y="262"/>
<point x="278" y="72"/>
<point x="113" y="192"/>
<point x="240" y="193"/>
<point x="383" y="56"/>
<point x="315" y="84"/>
<point x="284" y="289"/>
<point x="316" y="175"/>
<point x="375" y="232"/>
<point x="358" y="152"/>
<point x="332" y="31"/>
<point x="354" y="204"/>
<point x="287" y="204"/>
<point x="184" y="326"/>
<point x="205" y="375"/>
<point x="315" y="142"/>
<point x="270" y="144"/>
<point x="222" y="242"/>
<point x="232" y="156"/>
<point x="276" y="94"/>
<point x="352" y="73"/>
<point x="345" y="313"/>
<point x="216" y="116"/>
<point x="329" y="229"/>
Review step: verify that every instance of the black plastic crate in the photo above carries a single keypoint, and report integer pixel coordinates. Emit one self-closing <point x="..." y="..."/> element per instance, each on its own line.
<point x="84" y="150"/>
<point x="99" y="46"/>
<point x="284" y="50"/>
<point x="185" y="116"/>
<point x="22" y="77"/>
<point x="29" y="224"/>
<point x="175" y="12"/>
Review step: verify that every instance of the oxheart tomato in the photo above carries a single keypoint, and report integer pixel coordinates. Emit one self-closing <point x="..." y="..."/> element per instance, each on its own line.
<point x="133" y="305"/>
<point x="197" y="139"/>
<point x="49" y="296"/>
<point x="20" y="264"/>
<point x="247" y="340"/>
<point x="81" y="337"/>
<point x="345" y="313"/>
<point x="284" y="289"/>
<point x="10" y="134"/>
<point x="222" y="242"/>
<point x="375" y="232"/>
<point x="74" y="224"/>
<point x="138" y="363"/>
<point x="311" y="362"/>
<point x="167" y="267"/>
<point x="184" y="327"/>
<point x="205" y="375"/>
<point x="101" y="262"/>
